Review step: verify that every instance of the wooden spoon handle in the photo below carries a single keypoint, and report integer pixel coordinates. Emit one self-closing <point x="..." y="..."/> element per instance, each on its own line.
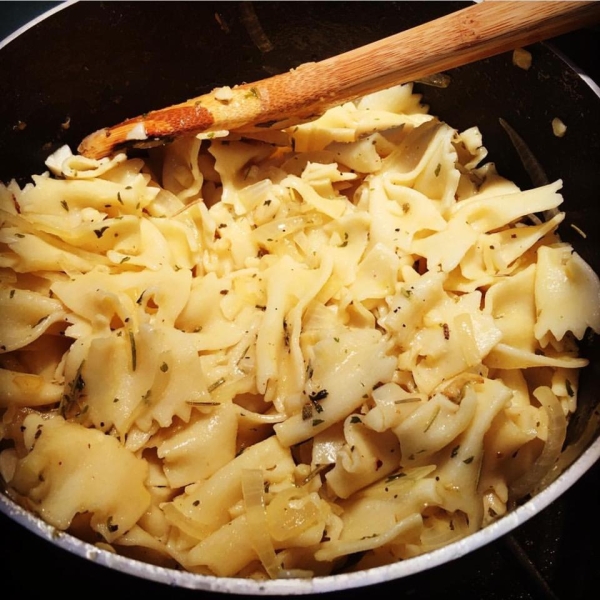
<point x="479" y="31"/>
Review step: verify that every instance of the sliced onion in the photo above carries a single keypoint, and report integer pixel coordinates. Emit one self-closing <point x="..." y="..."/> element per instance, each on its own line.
<point x="544" y="470"/>
<point x="291" y="512"/>
<point x="253" y="490"/>
<point x="442" y="532"/>
<point x="329" y="551"/>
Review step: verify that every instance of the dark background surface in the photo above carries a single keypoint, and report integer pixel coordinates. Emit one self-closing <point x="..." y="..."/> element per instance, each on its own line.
<point x="562" y="543"/>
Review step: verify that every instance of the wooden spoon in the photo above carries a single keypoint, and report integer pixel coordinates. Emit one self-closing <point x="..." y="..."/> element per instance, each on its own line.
<point x="479" y="31"/>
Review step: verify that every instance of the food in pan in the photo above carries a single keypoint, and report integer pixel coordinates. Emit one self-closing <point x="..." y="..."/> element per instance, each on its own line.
<point x="256" y="359"/>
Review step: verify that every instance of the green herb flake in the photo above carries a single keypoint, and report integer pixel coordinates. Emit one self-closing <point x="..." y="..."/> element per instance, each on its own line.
<point x="469" y="460"/>
<point x="307" y="412"/>
<point x="244" y="355"/>
<point x="213" y="386"/>
<point x="438" y="169"/>
<point x="446" y="330"/>
<point x="201" y="403"/>
<point x="309" y="370"/>
<point x="133" y="351"/>
<point x="454" y="451"/>
<point x="112" y="527"/>
<point x="318" y="396"/>
<point x="433" y="418"/>
<point x="125" y="259"/>
<point x="164" y="367"/>
<point x="76" y="386"/>
<point x="570" y="390"/>
<point x="355" y="419"/>
<point x="316" y="422"/>
<point x="286" y="334"/>
<point x="100" y="232"/>
<point x="64" y="204"/>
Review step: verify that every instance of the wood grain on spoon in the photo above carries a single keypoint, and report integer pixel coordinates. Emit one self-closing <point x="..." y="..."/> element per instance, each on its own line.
<point x="473" y="33"/>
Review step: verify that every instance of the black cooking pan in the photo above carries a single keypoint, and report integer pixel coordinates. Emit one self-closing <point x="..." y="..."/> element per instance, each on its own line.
<point x="93" y="64"/>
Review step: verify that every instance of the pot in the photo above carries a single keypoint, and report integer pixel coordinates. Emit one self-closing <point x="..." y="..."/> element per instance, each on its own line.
<point x="86" y="65"/>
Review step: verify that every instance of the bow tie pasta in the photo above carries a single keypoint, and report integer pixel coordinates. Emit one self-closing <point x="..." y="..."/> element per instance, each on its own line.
<point x="257" y="360"/>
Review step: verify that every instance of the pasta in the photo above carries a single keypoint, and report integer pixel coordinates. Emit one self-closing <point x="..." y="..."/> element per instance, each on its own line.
<point x="250" y="359"/>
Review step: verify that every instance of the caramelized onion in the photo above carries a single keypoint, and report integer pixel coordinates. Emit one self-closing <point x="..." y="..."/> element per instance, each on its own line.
<point x="544" y="470"/>
<point x="253" y="489"/>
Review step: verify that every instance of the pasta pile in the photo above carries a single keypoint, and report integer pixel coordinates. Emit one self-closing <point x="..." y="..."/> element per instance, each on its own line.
<point x="249" y="359"/>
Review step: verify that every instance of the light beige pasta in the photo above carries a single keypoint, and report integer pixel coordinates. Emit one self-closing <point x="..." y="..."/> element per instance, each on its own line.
<point x="250" y="359"/>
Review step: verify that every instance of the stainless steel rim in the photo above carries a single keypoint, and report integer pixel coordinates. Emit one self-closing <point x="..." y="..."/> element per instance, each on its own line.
<point x="318" y="584"/>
